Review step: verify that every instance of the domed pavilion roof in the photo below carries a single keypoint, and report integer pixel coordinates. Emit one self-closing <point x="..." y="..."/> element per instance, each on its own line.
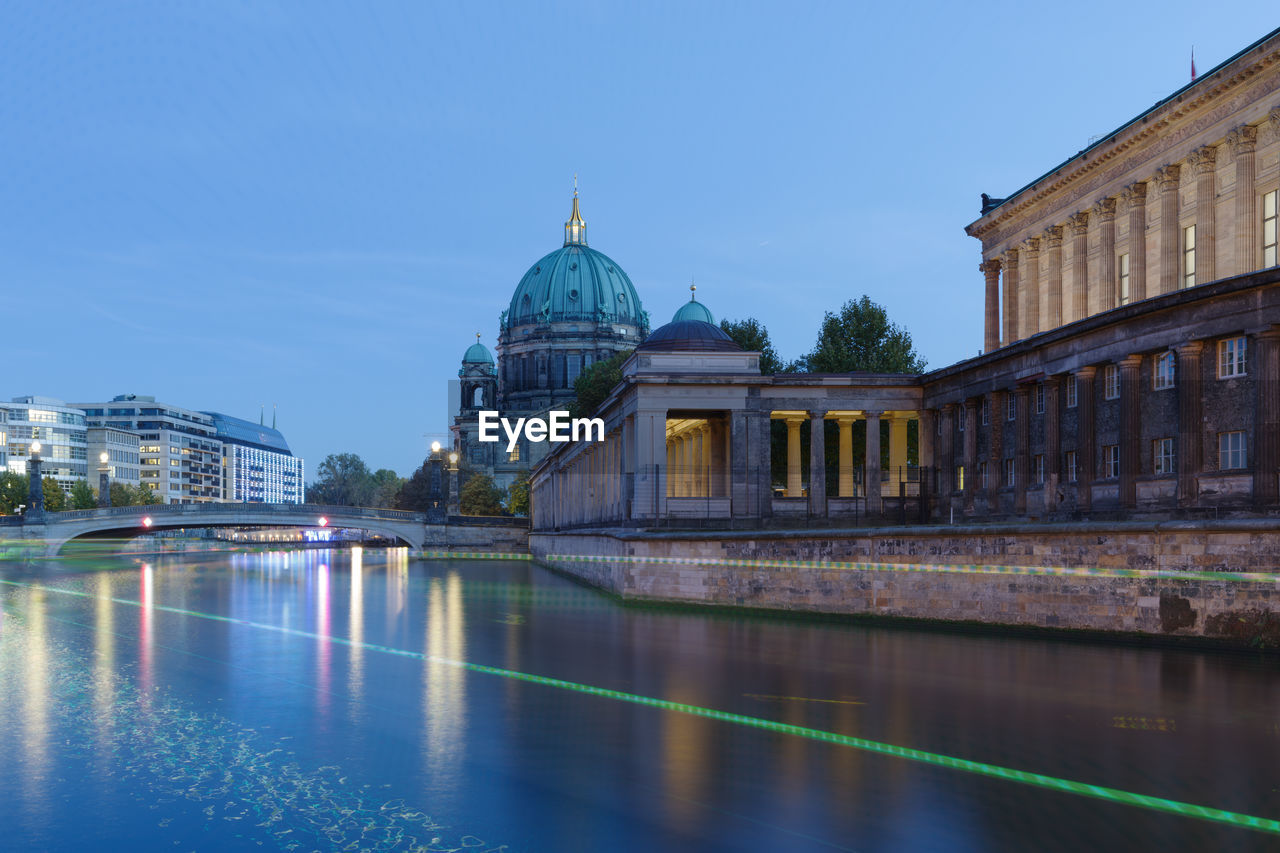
<point x="575" y="282"/>
<point x="693" y="309"/>
<point x="477" y="353"/>
<point x="688" y="336"/>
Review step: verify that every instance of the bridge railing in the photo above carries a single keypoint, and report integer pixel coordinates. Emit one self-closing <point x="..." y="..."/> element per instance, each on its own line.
<point x="168" y="511"/>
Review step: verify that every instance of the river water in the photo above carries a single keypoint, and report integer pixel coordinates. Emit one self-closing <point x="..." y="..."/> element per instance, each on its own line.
<point x="338" y="700"/>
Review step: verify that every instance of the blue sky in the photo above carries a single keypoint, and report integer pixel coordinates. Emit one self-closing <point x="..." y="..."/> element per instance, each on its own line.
<point x="317" y="205"/>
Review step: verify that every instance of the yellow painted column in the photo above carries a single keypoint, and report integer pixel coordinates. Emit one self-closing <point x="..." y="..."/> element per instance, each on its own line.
<point x="897" y="452"/>
<point x="846" y="457"/>
<point x="793" y="457"/>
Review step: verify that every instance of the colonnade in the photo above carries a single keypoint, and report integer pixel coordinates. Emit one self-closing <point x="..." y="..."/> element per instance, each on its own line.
<point x="697" y="459"/>
<point x="1029" y="274"/>
<point x="871" y="485"/>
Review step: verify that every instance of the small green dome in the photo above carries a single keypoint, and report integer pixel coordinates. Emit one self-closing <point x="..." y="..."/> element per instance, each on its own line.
<point x="693" y="310"/>
<point x="477" y="353"/>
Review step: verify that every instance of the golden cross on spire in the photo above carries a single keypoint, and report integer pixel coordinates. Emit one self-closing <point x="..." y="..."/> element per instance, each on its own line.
<point x="693" y="288"/>
<point x="477" y="337"/>
<point x="575" y="184"/>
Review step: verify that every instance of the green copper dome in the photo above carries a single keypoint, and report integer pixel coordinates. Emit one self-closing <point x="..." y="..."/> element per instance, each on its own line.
<point x="693" y="310"/>
<point x="477" y="353"/>
<point x="575" y="282"/>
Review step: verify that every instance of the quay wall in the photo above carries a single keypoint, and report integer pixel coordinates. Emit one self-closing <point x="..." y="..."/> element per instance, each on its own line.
<point x="1218" y="580"/>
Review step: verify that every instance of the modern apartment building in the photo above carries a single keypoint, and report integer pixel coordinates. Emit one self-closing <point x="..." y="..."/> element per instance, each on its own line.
<point x="60" y="431"/>
<point x="257" y="465"/>
<point x="122" y="449"/>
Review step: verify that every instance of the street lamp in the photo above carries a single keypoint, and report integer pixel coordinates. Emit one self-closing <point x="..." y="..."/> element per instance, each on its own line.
<point x="35" y="491"/>
<point x="454" y="507"/>
<point x="435" y="447"/>
<point x="104" y="486"/>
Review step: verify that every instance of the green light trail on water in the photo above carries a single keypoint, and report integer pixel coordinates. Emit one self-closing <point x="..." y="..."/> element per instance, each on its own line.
<point x="995" y="771"/>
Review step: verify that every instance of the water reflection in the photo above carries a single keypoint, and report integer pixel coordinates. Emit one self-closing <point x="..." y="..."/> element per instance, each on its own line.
<point x="323" y="644"/>
<point x="35" y="706"/>
<point x="445" y="701"/>
<point x="146" y="628"/>
<point x="355" y="630"/>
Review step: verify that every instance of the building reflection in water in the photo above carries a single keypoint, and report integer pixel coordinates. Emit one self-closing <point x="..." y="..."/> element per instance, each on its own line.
<point x="324" y="646"/>
<point x="104" y="664"/>
<point x="445" y="702"/>
<point x="355" y="630"/>
<point x="146" y="630"/>
<point x="35" y="708"/>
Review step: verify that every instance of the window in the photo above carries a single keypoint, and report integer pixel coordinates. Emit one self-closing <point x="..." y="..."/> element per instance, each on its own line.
<point x="1110" y="461"/>
<point x="1163" y="377"/>
<point x="1123" y="268"/>
<point x="1040" y="399"/>
<point x="1009" y="477"/>
<point x="1072" y="391"/>
<point x="514" y="455"/>
<point x="1111" y="382"/>
<point x="1269" y="257"/>
<point x="964" y="416"/>
<point x="1231" y="450"/>
<point x="960" y="477"/>
<point x="1037" y="469"/>
<point x="982" y="474"/>
<point x="1231" y="358"/>
<point x="1071" y="466"/>
<point x="1162" y="456"/>
<point x="986" y="411"/>
<point x="1189" y="256"/>
<point x="1011" y="405"/>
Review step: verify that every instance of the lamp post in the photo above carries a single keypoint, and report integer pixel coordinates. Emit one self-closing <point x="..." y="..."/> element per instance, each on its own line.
<point x="35" y="492"/>
<point x="104" y="485"/>
<point x="455" y="507"/>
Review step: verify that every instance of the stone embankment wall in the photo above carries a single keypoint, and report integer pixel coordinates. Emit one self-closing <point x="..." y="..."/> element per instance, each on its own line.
<point x="1208" y="579"/>
<point x="475" y="537"/>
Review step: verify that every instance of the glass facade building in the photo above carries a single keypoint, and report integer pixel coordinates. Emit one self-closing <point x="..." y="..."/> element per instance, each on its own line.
<point x="257" y="465"/>
<point x="60" y="430"/>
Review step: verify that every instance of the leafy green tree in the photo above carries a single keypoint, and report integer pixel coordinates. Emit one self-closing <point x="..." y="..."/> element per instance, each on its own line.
<point x="861" y="338"/>
<point x="480" y="496"/>
<point x="595" y="383"/>
<point x="751" y="335"/>
<point x="55" y="499"/>
<point x="415" y="492"/>
<point x="14" y="488"/>
<point x="123" y="494"/>
<point x="384" y="486"/>
<point x="342" y="479"/>
<point x="82" y="496"/>
<point x="518" y="494"/>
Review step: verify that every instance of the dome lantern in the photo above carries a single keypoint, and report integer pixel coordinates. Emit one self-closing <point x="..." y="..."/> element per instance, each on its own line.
<point x="575" y="230"/>
<point x="693" y="309"/>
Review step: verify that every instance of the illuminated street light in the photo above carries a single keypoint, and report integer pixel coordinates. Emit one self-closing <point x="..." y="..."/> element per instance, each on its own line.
<point x="324" y="522"/>
<point x="35" y="448"/>
<point x="435" y="447"/>
<point x="104" y="484"/>
<point x="146" y="521"/>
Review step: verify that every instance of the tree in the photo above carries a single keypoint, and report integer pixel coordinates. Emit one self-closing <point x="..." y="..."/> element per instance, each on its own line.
<point x="415" y="492"/>
<point x="55" y="500"/>
<point x="518" y="494"/>
<point x="82" y="496"/>
<point x="751" y="335"/>
<point x="479" y="496"/>
<point x="384" y="487"/>
<point x="861" y="338"/>
<point x="342" y="479"/>
<point x="14" y="489"/>
<point x="595" y="383"/>
<point x="123" y="494"/>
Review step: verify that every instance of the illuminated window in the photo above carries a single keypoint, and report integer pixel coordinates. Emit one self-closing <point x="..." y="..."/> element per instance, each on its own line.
<point x="1110" y="461"/>
<point x="1163" y="377"/>
<point x="1071" y="466"/>
<point x="1123" y="266"/>
<point x="1162" y="456"/>
<point x="1231" y="450"/>
<point x="1231" y="357"/>
<point x="1269" y="257"/>
<point x="1189" y="256"/>
<point x="960" y="477"/>
<point x="1072" y="391"/>
<point x="1111" y="382"/>
<point x="514" y="455"/>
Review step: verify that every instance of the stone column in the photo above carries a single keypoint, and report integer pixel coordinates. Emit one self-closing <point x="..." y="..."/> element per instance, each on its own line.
<point x="740" y="490"/>
<point x="927" y="431"/>
<point x="1029" y="287"/>
<point x="947" y="464"/>
<point x="970" y="452"/>
<point x="1243" y="141"/>
<point x="652" y="471"/>
<point x="794" y="482"/>
<point x="1011" y="296"/>
<point x="671" y="467"/>
<point x="1053" y="236"/>
<point x="871" y="468"/>
<point x="897" y="450"/>
<point x="1266" y="456"/>
<point x="846" y="457"/>
<point x="1105" y="214"/>
<point x="1086" y="455"/>
<point x="995" y="449"/>
<point x="991" y="338"/>
<point x="1130" y="430"/>
<point x="627" y="465"/>
<point x="817" y="463"/>
<point x="35" y="488"/>
<point x="1205" y="160"/>
<point x="1190" y="421"/>
<point x="1052" y="440"/>
<point x="1135" y="197"/>
<point x="1079" y="265"/>
<point x="1166" y="178"/>
<point x="1022" y="452"/>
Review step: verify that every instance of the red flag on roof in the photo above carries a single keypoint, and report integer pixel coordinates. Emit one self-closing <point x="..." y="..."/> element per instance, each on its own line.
<point x="1193" y="65"/>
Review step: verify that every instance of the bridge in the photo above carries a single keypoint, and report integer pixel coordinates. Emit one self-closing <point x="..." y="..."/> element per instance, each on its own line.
<point x="55" y="529"/>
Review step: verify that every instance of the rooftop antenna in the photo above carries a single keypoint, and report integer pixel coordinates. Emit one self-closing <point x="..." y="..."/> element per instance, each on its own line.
<point x="575" y="184"/>
<point x="262" y="415"/>
<point x="273" y="415"/>
<point x="1193" y="63"/>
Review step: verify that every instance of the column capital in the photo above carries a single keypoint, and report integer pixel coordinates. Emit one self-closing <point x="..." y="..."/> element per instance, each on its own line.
<point x="1135" y="193"/>
<point x="1053" y="236"/>
<point x="948" y="408"/>
<point x="1243" y="139"/>
<point x="846" y="420"/>
<point x="1032" y="245"/>
<point x="990" y="266"/>
<point x="1203" y="159"/>
<point x="1269" y="333"/>
<point x="1104" y="209"/>
<point x="1130" y="362"/>
<point x="1079" y="223"/>
<point x="1189" y="348"/>
<point x="794" y="420"/>
<point x="972" y="402"/>
<point x="1010" y="258"/>
<point x="1021" y="390"/>
<point x="1273" y="119"/>
<point x="1086" y="372"/>
<point x="872" y="413"/>
<point x="817" y="414"/>
<point x="1167" y="177"/>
